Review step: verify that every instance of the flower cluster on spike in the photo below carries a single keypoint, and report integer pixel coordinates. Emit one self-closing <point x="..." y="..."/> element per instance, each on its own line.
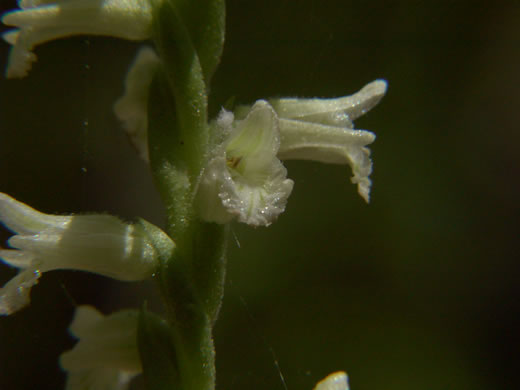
<point x="243" y="179"/>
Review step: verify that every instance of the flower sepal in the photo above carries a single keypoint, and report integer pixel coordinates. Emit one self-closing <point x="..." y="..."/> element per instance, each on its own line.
<point x="323" y="130"/>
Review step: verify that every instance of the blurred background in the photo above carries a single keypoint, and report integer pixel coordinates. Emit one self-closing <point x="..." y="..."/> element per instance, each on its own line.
<point x="418" y="290"/>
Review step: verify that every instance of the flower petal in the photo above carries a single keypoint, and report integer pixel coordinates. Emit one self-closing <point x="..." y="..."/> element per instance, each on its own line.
<point x="21" y="218"/>
<point x="16" y="293"/>
<point x="18" y="259"/>
<point x="132" y="107"/>
<point x="336" y="111"/>
<point x="335" y="381"/>
<point x="329" y="144"/>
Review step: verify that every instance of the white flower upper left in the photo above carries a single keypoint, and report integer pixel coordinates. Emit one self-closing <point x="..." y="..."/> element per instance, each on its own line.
<point x="40" y="21"/>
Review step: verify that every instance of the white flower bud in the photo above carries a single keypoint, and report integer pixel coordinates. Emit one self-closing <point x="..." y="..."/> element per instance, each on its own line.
<point x="96" y="243"/>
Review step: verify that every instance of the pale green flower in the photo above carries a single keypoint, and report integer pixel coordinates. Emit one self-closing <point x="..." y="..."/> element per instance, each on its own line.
<point x="96" y="243"/>
<point x="244" y="179"/>
<point x="106" y="356"/>
<point x="334" y="381"/>
<point x="322" y="130"/>
<point x="40" y="21"/>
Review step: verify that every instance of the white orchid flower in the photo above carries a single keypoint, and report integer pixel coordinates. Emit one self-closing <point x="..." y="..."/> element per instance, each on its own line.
<point x="96" y="243"/>
<point x="106" y="356"/>
<point x="334" y="381"/>
<point x="40" y="21"/>
<point x="244" y="179"/>
<point x="322" y="130"/>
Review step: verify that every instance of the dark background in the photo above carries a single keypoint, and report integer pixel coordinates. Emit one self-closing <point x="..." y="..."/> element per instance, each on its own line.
<point x="419" y="290"/>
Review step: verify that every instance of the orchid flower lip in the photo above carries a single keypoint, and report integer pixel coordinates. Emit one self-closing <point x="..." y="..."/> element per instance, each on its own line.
<point x="244" y="179"/>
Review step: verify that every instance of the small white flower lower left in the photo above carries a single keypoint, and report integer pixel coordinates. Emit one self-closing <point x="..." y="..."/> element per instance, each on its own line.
<point x="106" y="356"/>
<point x="95" y="243"/>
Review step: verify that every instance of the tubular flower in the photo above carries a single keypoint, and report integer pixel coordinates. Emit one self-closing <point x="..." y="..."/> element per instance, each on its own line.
<point x="96" y="243"/>
<point x="322" y="130"/>
<point x="40" y="21"/>
<point x="106" y="356"/>
<point x="334" y="381"/>
<point x="244" y="178"/>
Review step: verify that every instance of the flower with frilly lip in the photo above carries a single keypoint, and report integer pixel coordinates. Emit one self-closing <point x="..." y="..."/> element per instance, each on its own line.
<point x="244" y="178"/>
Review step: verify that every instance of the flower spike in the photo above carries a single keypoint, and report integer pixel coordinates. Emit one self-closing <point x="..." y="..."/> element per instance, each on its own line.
<point x="106" y="356"/>
<point x="40" y="21"/>
<point x="95" y="243"/>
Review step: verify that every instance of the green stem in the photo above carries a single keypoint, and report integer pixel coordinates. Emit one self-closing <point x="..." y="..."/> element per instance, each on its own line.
<point x="192" y="279"/>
